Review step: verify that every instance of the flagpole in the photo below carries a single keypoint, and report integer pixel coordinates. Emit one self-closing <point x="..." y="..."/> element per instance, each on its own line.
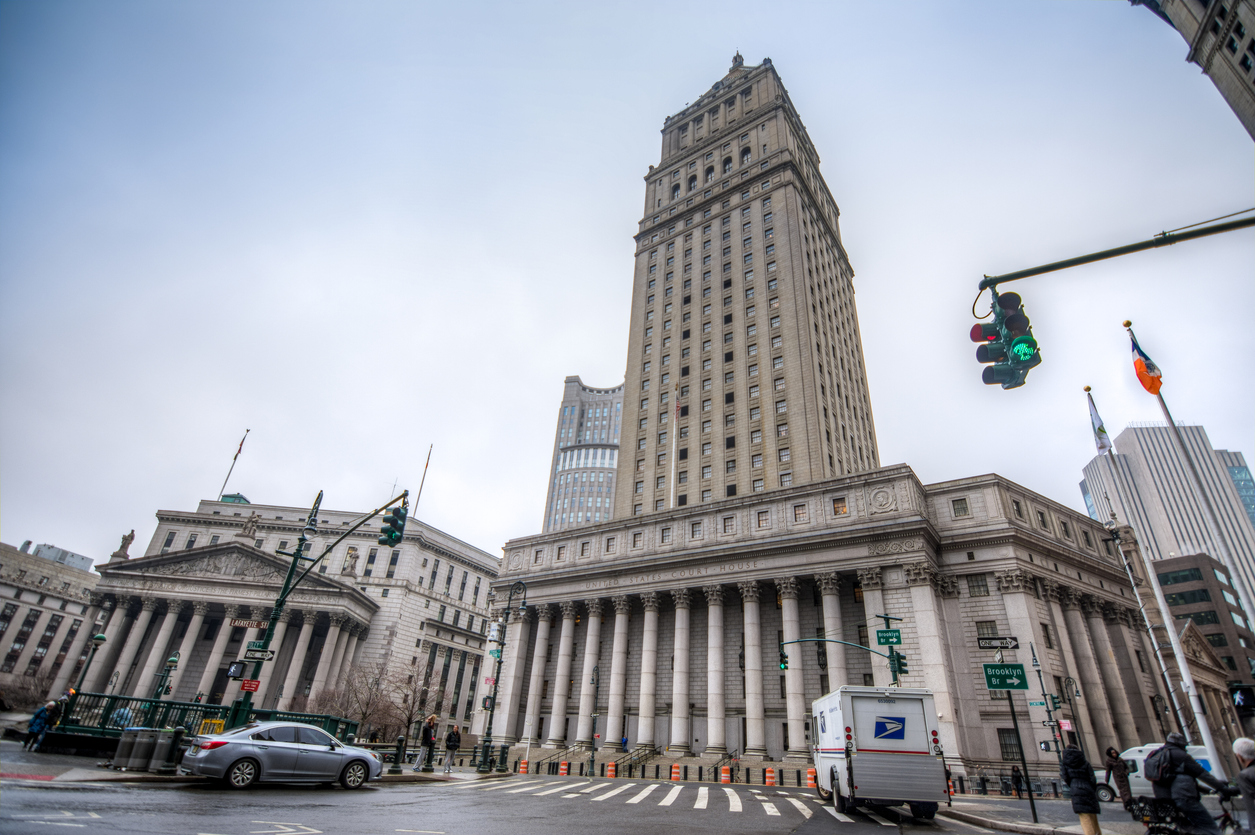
<point x="223" y="491"/>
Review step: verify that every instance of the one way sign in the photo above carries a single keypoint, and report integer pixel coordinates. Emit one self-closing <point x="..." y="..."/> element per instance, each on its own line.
<point x="1005" y="677"/>
<point x="998" y="643"/>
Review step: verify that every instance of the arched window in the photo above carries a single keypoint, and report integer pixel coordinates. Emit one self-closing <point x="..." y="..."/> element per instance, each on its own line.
<point x="675" y="191"/>
<point x="693" y="183"/>
<point x="745" y="156"/>
<point x="727" y="165"/>
<point x="710" y="173"/>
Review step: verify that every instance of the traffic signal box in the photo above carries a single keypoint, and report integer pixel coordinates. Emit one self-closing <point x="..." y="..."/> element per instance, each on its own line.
<point x="1007" y="342"/>
<point x="784" y="660"/>
<point x="393" y="528"/>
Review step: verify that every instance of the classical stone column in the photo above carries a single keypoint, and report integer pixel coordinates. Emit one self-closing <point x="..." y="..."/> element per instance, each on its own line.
<point x="929" y="623"/>
<point x="830" y="588"/>
<point x="134" y="640"/>
<point x="649" y="672"/>
<point x="292" y="682"/>
<point x="540" y="657"/>
<point x="102" y="664"/>
<point x="199" y="609"/>
<point x="337" y="657"/>
<point x="85" y="632"/>
<point x="716" y="731"/>
<point x="325" y="657"/>
<point x="354" y="632"/>
<point x="267" y="677"/>
<point x="874" y="603"/>
<point x="507" y="716"/>
<point x="795" y="698"/>
<point x="616" y="730"/>
<point x="146" y="685"/>
<point x="755" y="723"/>
<point x="562" y="686"/>
<point x="592" y="644"/>
<point x="680" y="675"/>
<point x="1109" y="672"/>
<point x="1092" y="702"/>
<point x="214" y="661"/>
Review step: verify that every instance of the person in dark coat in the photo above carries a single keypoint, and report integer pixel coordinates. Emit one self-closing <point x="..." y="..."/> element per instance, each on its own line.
<point x="1182" y="786"/>
<point x="1017" y="780"/>
<point x="428" y="749"/>
<point x="1118" y="769"/>
<point x="1079" y="775"/>
<point x="37" y="727"/>
<point x="452" y="742"/>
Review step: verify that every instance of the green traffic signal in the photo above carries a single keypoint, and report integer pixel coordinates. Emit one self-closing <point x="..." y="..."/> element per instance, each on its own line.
<point x="784" y="660"/>
<point x="1007" y="342"/>
<point x="393" y="528"/>
<point x="902" y="670"/>
<point x="1055" y="704"/>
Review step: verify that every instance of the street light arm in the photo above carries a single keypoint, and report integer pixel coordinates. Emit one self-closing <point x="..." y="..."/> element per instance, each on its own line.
<point x="314" y="564"/>
<point x="831" y="641"/>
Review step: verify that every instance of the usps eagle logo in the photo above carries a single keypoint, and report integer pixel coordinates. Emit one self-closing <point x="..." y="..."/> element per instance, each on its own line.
<point x="890" y="727"/>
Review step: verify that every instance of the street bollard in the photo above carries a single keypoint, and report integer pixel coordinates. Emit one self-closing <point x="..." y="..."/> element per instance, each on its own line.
<point x="398" y="757"/>
<point x="429" y="753"/>
<point x="351" y="739"/>
<point x="161" y="751"/>
<point x="171" y="765"/>
<point x="503" y="759"/>
<point x="122" y="754"/>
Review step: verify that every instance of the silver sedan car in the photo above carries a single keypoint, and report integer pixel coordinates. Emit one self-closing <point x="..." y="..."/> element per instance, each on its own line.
<point x="284" y="752"/>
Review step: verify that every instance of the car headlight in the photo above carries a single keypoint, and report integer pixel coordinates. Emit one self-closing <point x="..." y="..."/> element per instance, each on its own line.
<point x="373" y="754"/>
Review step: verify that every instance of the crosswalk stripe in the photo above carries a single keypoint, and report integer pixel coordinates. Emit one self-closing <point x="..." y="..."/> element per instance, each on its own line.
<point x="594" y="787"/>
<point x="734" y="801"/>
<point x="877" y="818"/>
<point x="531" y="786"/>
<point x="838" y="815"/>
<point x="671" y="796"/>
<point x="644" y="793"/>
<point x="801" y="807"/>
<point x="613" y="792"/>
<point x="561" y="788"/>
<point x="505" y="784"/>
<point x="770" y="808"/>
<point x="702" y="793"/>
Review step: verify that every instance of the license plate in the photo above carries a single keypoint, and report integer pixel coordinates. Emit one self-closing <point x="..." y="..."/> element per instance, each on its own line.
<point x="195" y="749"/>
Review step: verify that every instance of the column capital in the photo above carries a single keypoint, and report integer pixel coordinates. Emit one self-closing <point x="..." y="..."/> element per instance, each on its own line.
<point x="287" y="615"/>
<point x="749" y="590"/>
<point x="920" y="573"/>
<point x="1050" y="590"/>
<point x="947" y="585"/>
<point x="98" y="600"/>
<point x="200" y="607"/>
<point x="649" y="599"/>
<point x="1090" y="606"/>
<point x="622" y="604"/>
<point x="149" y="604"/>
<point x="595" y="606"/>
<point x="1069" y="598"/>
<point x="714" y="595"/>
<point x="338" y="619"/>
<point x="544" y="612"/>
<point x="829" y="583"/>
<point x="1014" y="581"/>
<point x="107" y="603"/>
<point x="570" y="609"/>
<point x="869" y="578"/>
<point x="232" y="610"/>
<point x="787" y="587"/>
<point x="682" y="598"/>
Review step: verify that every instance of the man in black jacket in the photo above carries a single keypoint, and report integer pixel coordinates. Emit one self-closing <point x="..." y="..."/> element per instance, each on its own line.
<point x="428" y="750"/>
<point x="1181" y="786"/>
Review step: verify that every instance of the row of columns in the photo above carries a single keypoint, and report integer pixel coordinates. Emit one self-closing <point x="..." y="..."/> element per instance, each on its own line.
<point x="680" y="722"/>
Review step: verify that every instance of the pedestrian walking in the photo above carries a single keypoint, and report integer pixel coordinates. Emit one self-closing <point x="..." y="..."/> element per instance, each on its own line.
<point x="452" y="742"/>
<point x="1017" y="780"/>
<point x="1079" y="775"/>
<point x="37" y="727"/>
<point x="1119" y="769"/>
<point x="427" y="750"/>
<point x="1244" y="750"/>
<point x="1178" y="783"/>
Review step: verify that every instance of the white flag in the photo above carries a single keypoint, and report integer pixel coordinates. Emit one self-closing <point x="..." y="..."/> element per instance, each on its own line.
<point x="1101" y="439"/>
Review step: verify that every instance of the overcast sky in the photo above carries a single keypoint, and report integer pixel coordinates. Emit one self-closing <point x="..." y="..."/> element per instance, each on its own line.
<point x="360" y="229"/>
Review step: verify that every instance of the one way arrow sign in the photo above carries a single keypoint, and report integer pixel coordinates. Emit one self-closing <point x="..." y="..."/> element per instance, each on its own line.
<point x="998" y="643"/>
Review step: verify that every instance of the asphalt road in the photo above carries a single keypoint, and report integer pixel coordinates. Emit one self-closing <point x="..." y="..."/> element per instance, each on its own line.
<point x="511" y="806"/>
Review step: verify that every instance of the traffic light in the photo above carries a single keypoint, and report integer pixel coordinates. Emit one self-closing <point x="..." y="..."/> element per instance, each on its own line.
<point x="1007" y="342"/>
<point x="784" y="660"/>
<point x="902" y="670"/>
<point x="393" y="527"/>
<point x="488" y="703"/>
<point x="1055" y="704"/>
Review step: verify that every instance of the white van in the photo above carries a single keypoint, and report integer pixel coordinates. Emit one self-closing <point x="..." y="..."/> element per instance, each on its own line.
<point x="878" y="746"/>
<point x="1134" y="758"/>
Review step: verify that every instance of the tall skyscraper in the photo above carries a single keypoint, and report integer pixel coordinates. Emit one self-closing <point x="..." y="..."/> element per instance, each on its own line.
<point x="1148" y="485"/>
<point x="585" y="455"/>
<point x="745" y="370"/>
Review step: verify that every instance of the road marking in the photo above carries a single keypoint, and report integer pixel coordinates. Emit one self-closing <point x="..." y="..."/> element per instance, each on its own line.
<point x="770" y="808"/>
<point x="531" y="786"/>
<point x="613" y="792"/>
<point x="838" y="815"/>
<point x="801" y="807"/>
<point x="644" y="793"/>
<point x="505" y="784"/>
<point x="560" y="788"/>
<point x="877" y="818"/>
<point x="427" y="831"/>
<point x="702" y="794"/>
<point x="671" y="796"/>
<point x="63" y="814"/>
<point x="594" y="787"/>
<point x="734" y="801"/>
<point x="301" y="829"/>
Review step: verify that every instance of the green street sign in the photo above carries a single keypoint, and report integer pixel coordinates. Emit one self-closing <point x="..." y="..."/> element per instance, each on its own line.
<point x="886" y="637"/>
<point x="1036" y="704"/>
<point x="256" y="644"/>
<point x="1005" y="677"/>
<point x="495" y="653"/>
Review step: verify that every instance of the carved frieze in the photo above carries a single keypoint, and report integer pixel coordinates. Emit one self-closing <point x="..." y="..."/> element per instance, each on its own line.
<point x="894" y="546"/>
<point x="882" y="499"/>
<point x="516" y="561"/>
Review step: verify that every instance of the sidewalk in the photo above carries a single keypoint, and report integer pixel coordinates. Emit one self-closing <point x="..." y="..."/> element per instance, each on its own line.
<point x="1054" y="816"/>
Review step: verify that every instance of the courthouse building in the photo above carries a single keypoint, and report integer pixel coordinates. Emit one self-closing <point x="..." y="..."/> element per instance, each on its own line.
<point x="752" y="509"/>
<point x="208" y="580"/>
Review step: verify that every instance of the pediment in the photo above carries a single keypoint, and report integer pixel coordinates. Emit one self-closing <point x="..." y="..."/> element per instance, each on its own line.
<point x="235" y="562"/>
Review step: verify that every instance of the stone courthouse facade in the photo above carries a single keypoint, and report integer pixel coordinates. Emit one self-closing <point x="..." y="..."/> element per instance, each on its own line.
<point x="752" y="509"/>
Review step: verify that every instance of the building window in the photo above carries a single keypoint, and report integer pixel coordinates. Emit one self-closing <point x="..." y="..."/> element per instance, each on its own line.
<point x="977" y="585"/>
<point x="1045" y="634"/>
<point x="960" y="507"/>
<point x="986" y="629"/>
<point x="839" y="506"/>
<point x="783" y="455"/>
<point x="666" y="535"/>
<point x="1019" y="511"/>
<point x="1185" y="598"/>
<point x="561" y="552"/>
<point x="758" y="485"/>
<point x="1009" y="743"/>
<point x="584" y="548"/>
<point x="637" y="539"/>
<point x="764" y="519"/>
<point x="1202" y="618"/>
<point x="191" y="541"/>
<point x="537" y="557"/>
<point x="799" y="513"/>
<point x="1041" y="520"/>
<point x="729" y="524"/>
<point x="786" y="479"/>
<point x="695" y="530"/>
<point x="782" y="406"/>
<point x="1186" y="575"/>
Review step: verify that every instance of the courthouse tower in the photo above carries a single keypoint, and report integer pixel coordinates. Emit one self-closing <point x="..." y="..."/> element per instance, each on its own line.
<point x="745" y="370"/>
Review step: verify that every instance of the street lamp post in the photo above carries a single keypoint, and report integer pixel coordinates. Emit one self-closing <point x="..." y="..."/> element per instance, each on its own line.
<point x="172" y="664"/>
<point x="97" y="642"/>
<point x="1069" y="687"/>
<point x="592" y="746"/>
<point x="518" y="587"/>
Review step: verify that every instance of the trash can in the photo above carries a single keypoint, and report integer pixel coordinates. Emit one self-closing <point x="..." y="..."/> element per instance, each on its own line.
<point x="161" y="750"/>
<point x="142" y="753"/>
<point x="123" y="752"/>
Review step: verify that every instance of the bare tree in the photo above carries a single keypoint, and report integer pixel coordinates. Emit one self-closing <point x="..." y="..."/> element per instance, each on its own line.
<point x="408" y="695"/>
<point x="30" y="691"/>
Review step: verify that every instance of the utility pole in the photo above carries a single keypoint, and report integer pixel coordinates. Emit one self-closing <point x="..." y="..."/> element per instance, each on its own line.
<point x="1047" y="698"/>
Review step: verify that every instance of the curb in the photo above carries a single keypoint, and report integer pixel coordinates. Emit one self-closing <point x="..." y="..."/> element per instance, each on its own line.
<point x="1005" y="826"/>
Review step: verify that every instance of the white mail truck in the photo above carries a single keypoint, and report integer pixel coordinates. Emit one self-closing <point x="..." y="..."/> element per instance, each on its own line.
<point x="878" y="746"/>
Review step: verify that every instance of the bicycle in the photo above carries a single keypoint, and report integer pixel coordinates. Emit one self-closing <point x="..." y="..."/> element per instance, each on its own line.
<point x="1161" y="816"/>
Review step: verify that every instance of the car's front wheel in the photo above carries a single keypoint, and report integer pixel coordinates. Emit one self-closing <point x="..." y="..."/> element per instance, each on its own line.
<point x="354" y="775"/>
<point x="241" y="774"/>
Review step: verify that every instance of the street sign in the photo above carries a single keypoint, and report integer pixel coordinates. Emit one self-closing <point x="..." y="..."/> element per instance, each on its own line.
<point x="1050" y="723"/>
<point x="250" y="624"/>
<point x="1005" y="677"/>
<point x="256" y="645"/>
<point x="495" y="653"/>
<point x="1036" y="704"/>
<point x="250" y="684"/>
<point x="1065" y="724"/>
<point x="258" y="654"/>
<point x="998" y="643"/>
<point x="489" y="680"/>
<point x="887" y="637"/>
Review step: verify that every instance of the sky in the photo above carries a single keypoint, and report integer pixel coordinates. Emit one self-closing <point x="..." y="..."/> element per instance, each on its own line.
<point x="360" y="230"/>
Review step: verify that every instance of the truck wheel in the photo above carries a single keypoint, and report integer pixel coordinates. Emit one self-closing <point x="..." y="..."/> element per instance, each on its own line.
<point x="823" y="793"/>
<point x="1105" y="794"/>
<point x="840" y="803"/>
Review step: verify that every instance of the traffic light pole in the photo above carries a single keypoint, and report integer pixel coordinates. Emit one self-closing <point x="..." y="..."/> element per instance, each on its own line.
<point x="1015" y="723"/>
<point x="1050" y="718"/>
<point x="291" y="581"/>
<point x="484" y="767"/>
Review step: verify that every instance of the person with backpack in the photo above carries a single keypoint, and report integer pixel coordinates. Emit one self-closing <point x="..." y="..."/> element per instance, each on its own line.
<point x="1079" y="775"/>
<point x="452" y="742"/>
<point x="1174" y="774"/>
<point x="37" y="727"/>
<point x="1244" y="751"/>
